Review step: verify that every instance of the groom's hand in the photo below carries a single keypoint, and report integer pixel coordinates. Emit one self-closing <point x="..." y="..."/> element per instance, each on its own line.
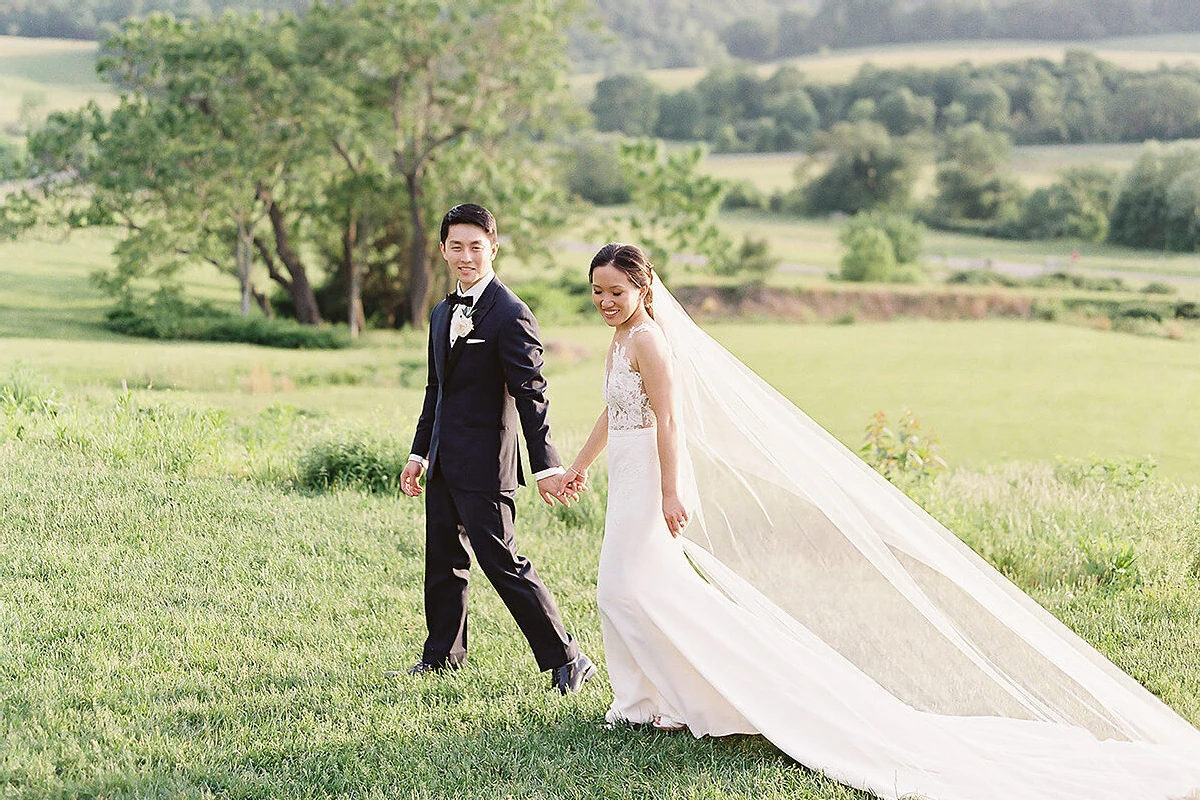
<point x="410" y="478"/>
<point x="550" y="488"/>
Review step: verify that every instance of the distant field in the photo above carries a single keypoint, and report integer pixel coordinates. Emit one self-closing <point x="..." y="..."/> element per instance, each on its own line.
<point x="993" y="390"/>
<point x="54" y="74"/>
<point x="1137" y="53"/>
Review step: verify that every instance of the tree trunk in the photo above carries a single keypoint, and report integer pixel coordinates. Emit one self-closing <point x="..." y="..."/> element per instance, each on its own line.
<point x="418" y="255"/>
<point x="243" y="266"/>
<point x="304" y="299"/>
<point x="354" y="306"/>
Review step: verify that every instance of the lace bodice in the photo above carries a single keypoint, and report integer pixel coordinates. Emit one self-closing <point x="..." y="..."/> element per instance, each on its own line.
<point x="628" y="406"/>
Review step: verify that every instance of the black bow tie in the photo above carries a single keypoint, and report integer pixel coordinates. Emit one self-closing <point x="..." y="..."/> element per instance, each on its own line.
<point x="460" y="299"/>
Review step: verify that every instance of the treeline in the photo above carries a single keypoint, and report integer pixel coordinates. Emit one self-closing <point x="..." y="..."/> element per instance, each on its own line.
<point x="91" y="19"/>
<point x="1082" y="99"/>
<point x="859" y="23"/>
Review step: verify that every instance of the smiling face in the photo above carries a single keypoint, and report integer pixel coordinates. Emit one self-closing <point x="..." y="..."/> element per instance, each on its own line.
<point x="469" y="253"/>
<point x="617" y="299"/>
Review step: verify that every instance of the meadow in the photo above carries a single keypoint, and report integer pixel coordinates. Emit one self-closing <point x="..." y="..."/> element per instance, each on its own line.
<point x="186" y="614"/>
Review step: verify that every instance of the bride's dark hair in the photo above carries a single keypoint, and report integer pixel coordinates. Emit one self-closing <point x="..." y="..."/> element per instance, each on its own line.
<point x="630" y="259"/>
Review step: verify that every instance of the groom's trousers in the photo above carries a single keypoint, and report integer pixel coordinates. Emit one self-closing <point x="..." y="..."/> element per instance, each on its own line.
<point x="484" y="520"/>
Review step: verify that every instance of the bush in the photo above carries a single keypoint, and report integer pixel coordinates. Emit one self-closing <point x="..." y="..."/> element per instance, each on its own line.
<point x="556" y="301"/>
<point x="876" y="243"/>
<point x="1157" y="287"/>
<point x="371" y="466"/>
<point x="1187" y="310"/>
<point x="752" y="259"/>
<point x="869" y="254"/>
<point x="904" y="454"/>
<point x="167" y="316"/>
<point x="983" y="277"/>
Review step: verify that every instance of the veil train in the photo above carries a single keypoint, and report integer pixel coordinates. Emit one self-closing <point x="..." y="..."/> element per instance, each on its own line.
<point x="948" y="673"/>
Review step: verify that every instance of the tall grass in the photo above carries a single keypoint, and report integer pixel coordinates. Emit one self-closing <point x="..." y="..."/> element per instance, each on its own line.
<point x="181" y="618"/>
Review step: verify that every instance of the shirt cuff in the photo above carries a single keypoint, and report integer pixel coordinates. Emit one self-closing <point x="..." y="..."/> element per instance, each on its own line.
<point x="422" y="460"/>
<point x="550" y="471"/>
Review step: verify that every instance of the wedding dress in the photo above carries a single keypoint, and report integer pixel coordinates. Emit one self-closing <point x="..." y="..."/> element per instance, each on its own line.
<point x="812" y="602"/>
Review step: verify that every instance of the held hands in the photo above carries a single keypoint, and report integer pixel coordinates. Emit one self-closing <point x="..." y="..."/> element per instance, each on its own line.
<point x="573" y="482"/>
<point x="555" y="487"/>
<point x="410" y="478"/>
<point x="676" y="516"/>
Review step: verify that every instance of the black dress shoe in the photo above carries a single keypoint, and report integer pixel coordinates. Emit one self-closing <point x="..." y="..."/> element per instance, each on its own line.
<point x="572" y="675"/>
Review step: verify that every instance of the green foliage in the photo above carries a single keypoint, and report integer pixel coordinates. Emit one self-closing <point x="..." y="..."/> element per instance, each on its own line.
<point x="904" y="454"/>
<point x="1122" y="473"/>
<point x="674" y="204"/>
<point x="594" y="170"/>
<point x="1145" y="207"/>
<point x="752" y="260"/>
<point x="627" y="104"/>
<point x="876" y="243"/>
<point x="353" y="462"/>
<point x="168" y="316"/>
<point x="973" y="181"/>
<point x="23" y="391"/>
<point x="870" y="255"/>
<point x="869" y="170"/>
<point x="558" y="301"/>
<point x="1075" y="207"/>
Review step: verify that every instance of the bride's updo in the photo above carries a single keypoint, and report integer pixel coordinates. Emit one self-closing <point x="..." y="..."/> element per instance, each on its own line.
<point x="630" y="259"/>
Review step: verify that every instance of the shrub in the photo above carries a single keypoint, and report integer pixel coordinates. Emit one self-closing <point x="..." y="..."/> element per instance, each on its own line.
<point x="167" y="316"/>
<point x="982" y="277"/>
<point x="903" y="454"/>
<point x="876" y="243"/>
<point x="1158" y="287"/>
<point x="24" y="391"/>
<point x="1187" y="310"/>
<point x="1125" y="473"/>
<point x="370" y="465"/>
<point x="752" y="259"/>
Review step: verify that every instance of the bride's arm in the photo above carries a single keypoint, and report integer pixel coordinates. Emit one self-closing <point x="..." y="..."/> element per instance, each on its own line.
<point x="595" y="443"/>
<point x="653" y="361"/>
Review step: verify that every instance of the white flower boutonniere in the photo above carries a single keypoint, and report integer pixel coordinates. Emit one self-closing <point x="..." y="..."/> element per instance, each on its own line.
<point x="462" y="326"/>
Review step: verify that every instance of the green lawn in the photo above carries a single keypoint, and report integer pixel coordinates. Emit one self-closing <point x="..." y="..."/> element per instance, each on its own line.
<point x="182" y="618"/>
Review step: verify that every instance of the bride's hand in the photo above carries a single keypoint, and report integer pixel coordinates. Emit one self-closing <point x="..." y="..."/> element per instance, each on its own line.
<point x="675" y="514"/>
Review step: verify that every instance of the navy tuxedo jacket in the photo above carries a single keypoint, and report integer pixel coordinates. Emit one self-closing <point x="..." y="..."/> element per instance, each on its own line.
<point x="478" y="393"/>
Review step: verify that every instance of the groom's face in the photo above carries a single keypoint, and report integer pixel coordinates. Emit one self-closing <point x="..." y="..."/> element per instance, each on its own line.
<point x="469" y="253"/>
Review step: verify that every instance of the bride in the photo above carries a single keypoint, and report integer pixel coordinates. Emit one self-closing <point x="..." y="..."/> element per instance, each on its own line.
<point x="757" y="577"/>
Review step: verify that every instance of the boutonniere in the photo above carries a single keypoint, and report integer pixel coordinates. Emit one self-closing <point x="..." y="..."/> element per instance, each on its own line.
<point x="462" y="326"/>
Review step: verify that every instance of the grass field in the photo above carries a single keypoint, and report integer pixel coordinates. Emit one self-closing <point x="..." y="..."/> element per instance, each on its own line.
<point x="183" y="617"/>
<point x="51" y="74"/>
<point x="1136" y="53"/>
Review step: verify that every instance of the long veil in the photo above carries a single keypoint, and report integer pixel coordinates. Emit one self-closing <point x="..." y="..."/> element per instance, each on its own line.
<point x="795" y="527"/>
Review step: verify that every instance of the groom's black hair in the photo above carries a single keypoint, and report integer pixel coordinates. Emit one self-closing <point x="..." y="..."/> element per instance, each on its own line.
<point x="469" y="214"/>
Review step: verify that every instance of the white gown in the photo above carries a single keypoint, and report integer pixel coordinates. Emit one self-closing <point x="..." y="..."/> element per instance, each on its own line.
<point x="680" y="648"/>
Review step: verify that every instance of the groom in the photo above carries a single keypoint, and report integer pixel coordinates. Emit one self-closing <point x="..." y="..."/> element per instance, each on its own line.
<point x="485" y="379"/>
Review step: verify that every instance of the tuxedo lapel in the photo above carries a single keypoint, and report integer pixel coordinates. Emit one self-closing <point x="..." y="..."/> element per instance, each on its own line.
<point x="441" y="336"/>
<point x="486" y="301"/>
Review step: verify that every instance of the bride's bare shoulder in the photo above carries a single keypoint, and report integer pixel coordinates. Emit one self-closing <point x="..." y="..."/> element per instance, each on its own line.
<point x="648" y="346"/>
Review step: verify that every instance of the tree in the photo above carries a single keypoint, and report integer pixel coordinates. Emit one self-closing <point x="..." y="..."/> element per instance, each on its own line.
<point x="1074" y="207"/>
<point x="626" y="103"/>
<point x="1183" y="212"/>
<point x="458" y="88"/>
<point x="674" y="205"/>
<point x="869" y="170"/>
<point x="973" y="181"/>
<point x="1139" y="215"/>
<point x="751" y="39"/>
